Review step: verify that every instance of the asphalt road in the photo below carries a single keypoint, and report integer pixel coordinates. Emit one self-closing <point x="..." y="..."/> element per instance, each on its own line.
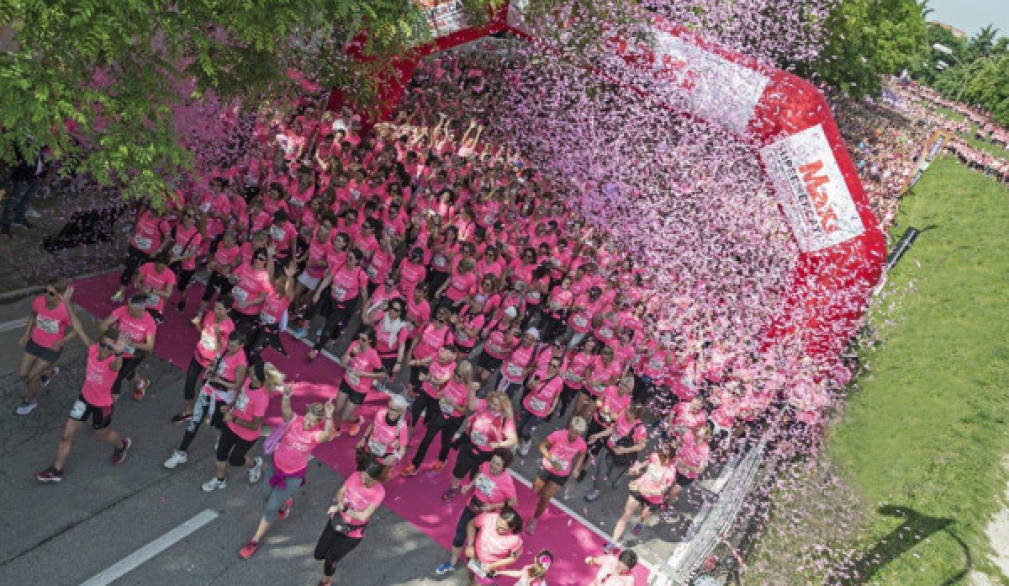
<point x="100" y="514"/>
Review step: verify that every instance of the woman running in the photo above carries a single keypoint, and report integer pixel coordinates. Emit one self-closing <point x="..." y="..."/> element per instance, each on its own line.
<point x="563" y="454"/>
<point x="491" y="426"/>
<point x="242" y="423"/>
<point x="437" y="373"/>
<point x="494" y="490"/>
<point x="215" y="328"/>
<point x="222" y="381"/>
<point x="493" y="542"/>
<point x="534" y="573"/>
<point x="287" y="461"/>
<point x="362" y="366"/>
<point x="138" y="330"/>
<point x="186" y="238"/>
<point x="624" y="440"/>
<point x="647" y="492"/>
<point x="95" y="402"/>
<point x="44" y="338"/>
<point x="222" y="266"/>
<point x="387" y="437"/>
<point x="148" y="239"/>
<point x="347" y="284"/>
<point x="353" y="506"/>
<point x="455" y="398"/>
<point x="613" y="570"/>
<point x="539" y="403"/>
<point x="273" y="316"/>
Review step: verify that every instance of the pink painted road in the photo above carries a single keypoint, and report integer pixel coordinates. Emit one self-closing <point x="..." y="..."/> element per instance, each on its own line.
<point x="417" y="500"/>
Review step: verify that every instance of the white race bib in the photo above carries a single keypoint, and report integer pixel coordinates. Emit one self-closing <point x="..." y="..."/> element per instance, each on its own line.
<point x="143" y="243"/>
<point x="339" y="293"/>
<point x="580" y="321"/>
<point x="446" y="407"/>
<point x="537" y="404"/>
<point x="477" y="438"/>
<point x="240" y="294"/>
<point x="47" y="324"/>
<point x="78" y="409"/>
<point x="572" y="376"/>
<point x="377" y="448"/>
<point x="515" y="371"/>
<point x="353" y="378"/>
<point x="208" y="341"/>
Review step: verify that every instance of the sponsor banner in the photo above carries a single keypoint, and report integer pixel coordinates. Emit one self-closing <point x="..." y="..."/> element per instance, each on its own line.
<point x="444" y="17"/>
<point x="914" y="179"/>
<point x="812" y="191"/>
<point x="673" y="70"/>
<point x="936" y="147"/>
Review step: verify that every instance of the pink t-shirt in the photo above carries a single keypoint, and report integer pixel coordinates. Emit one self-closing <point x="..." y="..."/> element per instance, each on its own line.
<point x="607" y="574"/>
<point x="148" y="232"/>
<point x="514" y="367"/>
<point x="186" y="241"/>
<point x="348" y="283"/>
<point x="251" y="284"/>
<point x="656" y="480"/>
<point x="436" y="371"/>
<point x="98" y="379"/>
<point x="387" y="439"/>
<point x="432" y="337"/>
<point x="490" y="489"/>
<point x="489" y="545"/>
<point x="292" y="452"/>
<point x="211" y="342"/>
<point x="562" y="452"/>
<point x="541" y="398"/>
<point x="357" y="498"/>
<point x="226" y="256"/>
<point x="486" y="428"/>
<point x="150" y="277"/>
<point x="614" y="404"/>
<point x="135" y="329"/>
<point x="362" y="361"/>
<point x="410" y="274"/>
<point x="50" y="324"/>
<point x="692" y="457"/>
<point x="250" y="404"/>
<point x="460" y="285"/>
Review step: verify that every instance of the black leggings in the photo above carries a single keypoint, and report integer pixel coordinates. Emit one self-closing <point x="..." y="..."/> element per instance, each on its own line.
<point x="203" y="403"/>
<point x="439" y="423"/>
<point x="134" y="258"/>
<point x="184" y="276"/>
<point x="217" y="283"/>
<point x="568" y="395"/>
<point x="423" y="403"/>
<point x="337" y="316"/>
<point x="126" y="371"/>
<point x="333" y="547"/>
<point x="231" y="448"/>
<point x="468" y="460"/>
<point x="193" y="374"/>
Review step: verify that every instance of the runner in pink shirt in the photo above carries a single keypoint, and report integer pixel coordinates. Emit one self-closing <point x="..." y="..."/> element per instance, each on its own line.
<point x="412" y="272"/>
<point x="493" y="542"/>
<point x="215" y="328"/>
<point x="252" y="283"/>
<point x="288" y="448"/>
<point x="493" y="490"/>
<point x="148" y="239"/>
<point x="543" y="393"/>
<point x="428" y="339"/>
<point x="187" y="238"/>
<point x="362" y="366"/>
<point x="656" y="478"/>
<point x="468" y="324"/>
<point x="353" y="507"/>
<point x="44" y="337"/>
<point x="461" y="284"/>
<point x="533" y="574"/>
<point x="604" y="371"/>
<point x="95" y="402"/>
<point x="491" y="426"/>
<point x="222" y="265"/>
<point x="242" y="424"/>
<point x="555" y="311"/>
<point x="387" y="437"/>
<point x="621" y="443"/>
<point x="520" y="363"/>
<point x="137" y="329"/>
<point x="500" y="336"/>
<point x="613" y="570"/>
<point x="348" y="286"/>
<point x="156" y="280"/>
<point x="563" y="454"/>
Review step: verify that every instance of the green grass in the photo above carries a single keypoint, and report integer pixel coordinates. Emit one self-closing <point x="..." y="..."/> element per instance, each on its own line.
<point x="929" y="426"/>
<point x="992" y="149"/>
<point x="949" y="113"/>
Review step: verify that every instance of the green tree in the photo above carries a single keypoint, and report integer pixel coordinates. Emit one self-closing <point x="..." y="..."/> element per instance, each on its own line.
<point x="148" y="49"/>
<point x="868" y="38"/>
<point x="982" y="44"/>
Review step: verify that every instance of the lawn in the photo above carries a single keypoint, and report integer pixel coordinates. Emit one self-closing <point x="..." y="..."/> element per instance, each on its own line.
<point x="921" y="441"/>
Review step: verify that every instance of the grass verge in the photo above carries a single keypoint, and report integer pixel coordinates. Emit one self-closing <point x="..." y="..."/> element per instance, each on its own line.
<point x="921" y="441"/>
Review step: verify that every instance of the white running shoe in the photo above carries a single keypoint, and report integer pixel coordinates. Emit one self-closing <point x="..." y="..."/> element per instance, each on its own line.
<point x="175" y="459"/>
<point x="524" y="448"/>
<point x="213" y="484"/>
<point x="256" y="472"/>
<point x="24" y="408"/>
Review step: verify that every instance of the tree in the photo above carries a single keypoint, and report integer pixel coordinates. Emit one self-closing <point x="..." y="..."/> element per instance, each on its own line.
<point x="982" y="43"/>
<point x="115" y="70"/>
<point x="868" y="38"/>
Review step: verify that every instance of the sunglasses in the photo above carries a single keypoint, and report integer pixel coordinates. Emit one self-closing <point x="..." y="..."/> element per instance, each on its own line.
<point x="52" y="293"/>
<point x="106" y="346"/>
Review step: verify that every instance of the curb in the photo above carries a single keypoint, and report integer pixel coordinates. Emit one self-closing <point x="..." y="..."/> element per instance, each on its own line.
<point x="16" y="295"/>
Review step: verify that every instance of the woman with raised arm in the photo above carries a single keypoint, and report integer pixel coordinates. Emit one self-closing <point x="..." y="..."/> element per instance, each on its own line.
<point x="353" y="506"/>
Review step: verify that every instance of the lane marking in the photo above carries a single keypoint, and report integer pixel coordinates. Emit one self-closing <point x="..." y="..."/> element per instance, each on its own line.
<point x="585" y="522"/>
<point x="13" y="324"/>
<point x="145" y="553"/>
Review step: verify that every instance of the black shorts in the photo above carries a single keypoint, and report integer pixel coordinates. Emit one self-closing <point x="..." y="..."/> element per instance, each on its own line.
<point x="41" y="352"/>
<point x="232" y="448"/>
<point x="355" y="397"/>
<point x="548" y="476"/>
<point x="488" y="362"/>
<point x="645" y="502"/>
<point x="101" y="417"/>
<point x="683" y="481"/>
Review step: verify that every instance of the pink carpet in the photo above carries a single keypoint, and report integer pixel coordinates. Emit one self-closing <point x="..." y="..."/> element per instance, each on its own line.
<point x="418" y="499"/>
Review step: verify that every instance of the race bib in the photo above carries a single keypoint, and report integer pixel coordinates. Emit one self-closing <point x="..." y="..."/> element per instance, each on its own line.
<point x="241" y="402"/>
<point x="572" y="376"/>
<point x="47" y="324"/>
<point x="484" y="485"/>
<point x="128" y="349"/>
<point x="206" y="207"/>
<point x="559" y="464"/>
<point x="477" y="568"/>
<point x="533" y="295"/>
<point x="372" y="271"/>
<point x="580" y="321"/>
<point x="153" y="300"/>
<point x="446" y="407"/>
<point x="78" y="409"/>
<point x="143" y="243"/>
<point x="267" y="318"/>
<point x="353" y="378"/>
<point x="536" y="404"/>
<point x="461" y="336"/>
<point x="240" y="294"/>
<point x="606" y="332"/>
<point x="655" y="365"/>
<point x="177" y="250"/>
<point x="477" y="438"/>
<point x="277" y="233"/>
<point x="377" y="448"/>
<point x="440" y="261"/>
<point x="339" y="293"/>
<point x="515" y="371"/>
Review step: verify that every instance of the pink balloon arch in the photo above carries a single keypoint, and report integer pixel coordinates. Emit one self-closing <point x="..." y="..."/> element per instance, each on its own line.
<point x="783" y="117"/>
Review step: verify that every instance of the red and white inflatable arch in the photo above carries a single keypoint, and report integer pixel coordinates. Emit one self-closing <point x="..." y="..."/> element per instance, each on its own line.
<point x="785" y="118"/>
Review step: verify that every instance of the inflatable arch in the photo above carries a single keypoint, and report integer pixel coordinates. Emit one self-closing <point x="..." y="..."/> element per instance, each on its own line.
<point x="785" y="118"/>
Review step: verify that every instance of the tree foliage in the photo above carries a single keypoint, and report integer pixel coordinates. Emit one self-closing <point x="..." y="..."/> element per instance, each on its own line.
<point x="868" y="38"/>
<point x="114" y="70"/>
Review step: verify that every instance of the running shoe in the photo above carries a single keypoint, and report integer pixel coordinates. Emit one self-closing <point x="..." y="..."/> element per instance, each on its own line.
<point x="437" y="466"/>
<point x="445" y="568"/>
<point x="450" y="494"/>
<point x="181" y="418"/>
<point x="45" y="379"/>
<point x="256" y="472"/>
<point x="24" y="408"/>
<point x="531" y="526"/>
<point x="249" y="550"/>
<point x="50" y="474"/>
<point x="285" y="510"/>
<point x="117" y="297"/>
<point x="140" y="388"/>
<point x="410" y="470"/>
<point x="119" y="454"/>
<point x="355" y="428"/>
<point x="213" y="484"/>
<point x="592" y="496"/>
<point x="300" y="333"/>
<point x="175" y="459"/>
<point x="638" y="528"/>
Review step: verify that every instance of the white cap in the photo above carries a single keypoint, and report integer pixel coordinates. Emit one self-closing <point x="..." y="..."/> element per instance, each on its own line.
<point x="533" y="332"/>
<point x="398" y="402"/>
<point x="511" y="312"/>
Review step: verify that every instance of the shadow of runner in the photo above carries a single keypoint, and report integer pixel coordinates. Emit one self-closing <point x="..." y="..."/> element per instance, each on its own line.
<point x="915" y="528"/>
